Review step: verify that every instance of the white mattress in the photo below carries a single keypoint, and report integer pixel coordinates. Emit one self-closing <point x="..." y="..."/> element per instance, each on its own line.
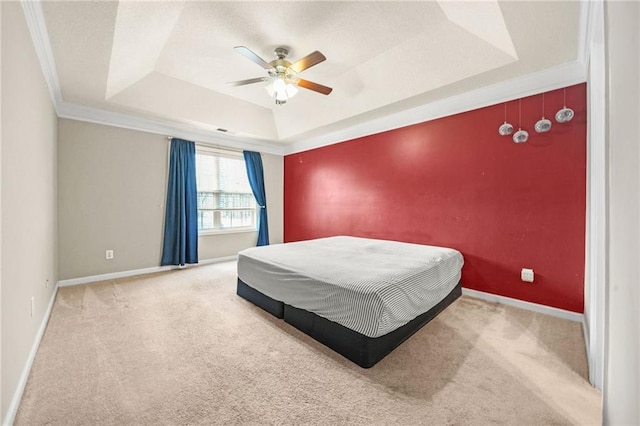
<point x="370" y="286"/>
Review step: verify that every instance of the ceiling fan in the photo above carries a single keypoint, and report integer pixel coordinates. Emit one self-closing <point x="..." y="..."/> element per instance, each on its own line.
<point x="282" y="77"/>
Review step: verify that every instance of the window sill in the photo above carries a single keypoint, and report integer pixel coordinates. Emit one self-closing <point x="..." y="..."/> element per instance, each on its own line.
<point x="227" y="231"/>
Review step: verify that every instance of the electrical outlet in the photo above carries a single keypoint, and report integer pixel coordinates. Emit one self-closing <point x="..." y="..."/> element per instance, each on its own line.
<point x="527" y="275"/>
<point x="33" y="301"/>
<point x="109" y="254"/>
<point x="46" y="284"/>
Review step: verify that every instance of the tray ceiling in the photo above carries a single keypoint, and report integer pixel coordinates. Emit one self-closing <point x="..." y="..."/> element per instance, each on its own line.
<point x="170" y="60"/>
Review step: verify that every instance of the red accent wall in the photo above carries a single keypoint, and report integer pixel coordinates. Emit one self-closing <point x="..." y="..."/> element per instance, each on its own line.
<point x="455" y="182"/>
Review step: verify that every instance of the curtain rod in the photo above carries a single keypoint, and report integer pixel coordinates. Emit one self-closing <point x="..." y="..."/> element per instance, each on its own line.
<point x="213" y="146"/>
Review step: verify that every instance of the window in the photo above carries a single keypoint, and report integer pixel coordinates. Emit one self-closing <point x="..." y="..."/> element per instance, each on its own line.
<point x="225" y="200"/>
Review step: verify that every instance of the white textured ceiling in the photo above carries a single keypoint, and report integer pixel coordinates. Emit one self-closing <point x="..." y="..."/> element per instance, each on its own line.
<point x="170" y="60"/>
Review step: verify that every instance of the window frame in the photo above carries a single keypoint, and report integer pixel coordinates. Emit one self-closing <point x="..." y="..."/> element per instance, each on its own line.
<point x="236" y="155"/>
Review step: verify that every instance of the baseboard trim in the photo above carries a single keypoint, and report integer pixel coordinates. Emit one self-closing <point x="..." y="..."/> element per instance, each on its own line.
<point x="134" y="272"/>
<point x="587" y="347"/>
<point x="542" y="309"/>
<point x="22" y="383"/>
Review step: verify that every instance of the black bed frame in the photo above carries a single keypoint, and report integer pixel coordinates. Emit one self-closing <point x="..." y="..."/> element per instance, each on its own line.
<point x="363" y="350"/>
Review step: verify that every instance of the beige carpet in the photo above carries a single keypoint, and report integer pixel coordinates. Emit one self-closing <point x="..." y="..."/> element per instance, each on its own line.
<point x="181" y="348"/>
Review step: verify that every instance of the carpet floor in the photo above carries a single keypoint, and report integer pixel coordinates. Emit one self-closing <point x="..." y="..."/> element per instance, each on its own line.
<point x="180" y="348"/>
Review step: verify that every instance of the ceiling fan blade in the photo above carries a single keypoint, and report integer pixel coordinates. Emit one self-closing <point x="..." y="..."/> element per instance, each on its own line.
<point x="245" y="51"/>
<point x="244" y="82"/>
<point x="314" y="86"/>
<point x="308" y="61"/>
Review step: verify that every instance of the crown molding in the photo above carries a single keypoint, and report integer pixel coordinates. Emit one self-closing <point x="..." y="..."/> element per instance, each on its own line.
<point x="34" y="16"/>
<point x="164" y="127"/>
<point x="583" y="31"/>
<point x="543" y="81"/>
<point x="591" y="16"/>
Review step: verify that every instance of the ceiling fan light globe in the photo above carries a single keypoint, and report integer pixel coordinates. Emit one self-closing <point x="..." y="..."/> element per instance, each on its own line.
<point x="280" y="91"/>
<point x="291" y="90"/>
<point x="269" y="89"/>
<point x="279" y="85"/>
<point x="281" y="97"/>
<point x="520" y="136"/>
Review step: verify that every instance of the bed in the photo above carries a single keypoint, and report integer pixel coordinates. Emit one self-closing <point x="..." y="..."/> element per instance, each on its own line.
<point x="360" y="297"/>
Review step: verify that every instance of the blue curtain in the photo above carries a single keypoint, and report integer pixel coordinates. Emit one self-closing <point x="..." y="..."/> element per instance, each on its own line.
<point x="181" y="215"/>
<point x="255" y="173"/>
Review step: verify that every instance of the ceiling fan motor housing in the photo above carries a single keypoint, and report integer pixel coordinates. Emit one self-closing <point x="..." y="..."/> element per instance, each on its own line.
<point x="281" y="67"/>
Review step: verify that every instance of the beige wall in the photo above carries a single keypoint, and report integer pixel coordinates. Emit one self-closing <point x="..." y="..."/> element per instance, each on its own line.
<point x="622" y="370"/>
<point x="274" y="187"/>
<point x="110" y="197"/>
<point x="112" y="185"/>
<point x="28" y="192"/>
